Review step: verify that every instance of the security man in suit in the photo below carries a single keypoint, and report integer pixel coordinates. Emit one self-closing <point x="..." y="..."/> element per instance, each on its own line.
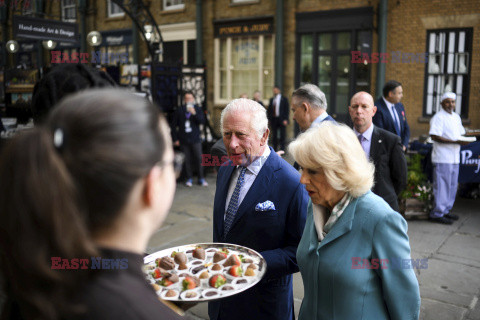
<point x="260" y="204"/>
<point x="391" y="112"/>
<point x="382" y="147"/>
<point x="278" y="116"/>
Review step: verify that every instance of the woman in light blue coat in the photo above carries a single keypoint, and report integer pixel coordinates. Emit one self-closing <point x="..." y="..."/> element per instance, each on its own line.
<point x="354" y="255"/>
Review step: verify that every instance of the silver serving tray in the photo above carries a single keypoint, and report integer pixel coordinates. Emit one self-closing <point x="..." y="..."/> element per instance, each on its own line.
<point x="233" y="248"/>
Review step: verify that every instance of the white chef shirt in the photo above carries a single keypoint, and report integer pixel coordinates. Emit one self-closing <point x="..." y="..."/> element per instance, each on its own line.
<point x="449" y="126"/>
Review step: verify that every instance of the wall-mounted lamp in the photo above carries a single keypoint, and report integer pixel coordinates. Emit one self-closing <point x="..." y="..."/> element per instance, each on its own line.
<point x="49" y="44"/>
<point x="94" y="38"/>
<point x="148" y="32"/>
<point x="12" y="46"/>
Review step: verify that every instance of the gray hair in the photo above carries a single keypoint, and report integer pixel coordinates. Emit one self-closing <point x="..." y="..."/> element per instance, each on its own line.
<point x="335" y="148"/>
<point x="259" y="114"/>
<point x="312" y="94"/>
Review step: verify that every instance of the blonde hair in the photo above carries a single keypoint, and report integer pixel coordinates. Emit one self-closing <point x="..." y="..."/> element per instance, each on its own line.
<point x="335" y="149"/>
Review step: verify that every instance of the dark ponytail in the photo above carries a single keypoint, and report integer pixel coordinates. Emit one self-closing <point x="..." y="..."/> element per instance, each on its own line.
<point x="39" y="219"/>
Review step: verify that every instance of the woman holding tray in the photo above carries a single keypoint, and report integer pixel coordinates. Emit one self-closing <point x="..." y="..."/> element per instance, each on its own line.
<point x="351" y="236"/>
<point x="79" y="199"/>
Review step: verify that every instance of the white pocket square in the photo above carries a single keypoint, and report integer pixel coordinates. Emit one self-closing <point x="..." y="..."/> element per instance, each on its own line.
<point x="265" y="206"/>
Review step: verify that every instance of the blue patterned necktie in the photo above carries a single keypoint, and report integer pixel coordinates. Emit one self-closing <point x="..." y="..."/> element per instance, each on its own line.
<point x="395" y="120"/>
<point x="233" y="204"/>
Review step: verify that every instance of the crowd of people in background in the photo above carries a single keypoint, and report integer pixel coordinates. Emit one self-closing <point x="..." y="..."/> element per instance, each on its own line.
<point x="99" y="171"/>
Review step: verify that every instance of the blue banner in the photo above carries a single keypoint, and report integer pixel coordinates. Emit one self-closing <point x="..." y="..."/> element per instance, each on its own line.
<point x="470" y="163"/>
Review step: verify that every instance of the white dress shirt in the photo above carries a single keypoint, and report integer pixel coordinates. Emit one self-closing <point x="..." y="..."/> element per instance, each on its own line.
<point x="250" y="175"/>
<point x="393" y="113"/>
<point x="319" y="120"/>
<point x="277" y="104"/>
<point x="367" y="144"/>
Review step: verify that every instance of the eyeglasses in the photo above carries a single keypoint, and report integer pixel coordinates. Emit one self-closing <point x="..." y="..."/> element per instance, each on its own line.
<point x="177" y="162"/>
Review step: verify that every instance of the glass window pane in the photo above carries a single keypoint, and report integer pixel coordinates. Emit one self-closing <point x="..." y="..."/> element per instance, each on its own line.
<point x="223" y="69"/>
<point x="245" y="54"/>
<point x="268" y="65"/>
<point x="343" y="76"/>
<point x="325" y="75"/>
<point x="325" y="41"/>
<point x="306" y="58"/>
<point x="343" y="41"/>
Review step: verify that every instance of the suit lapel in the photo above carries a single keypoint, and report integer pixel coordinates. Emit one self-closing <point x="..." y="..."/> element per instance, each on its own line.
<point x="222" y="192"/>
<point x="342" y="226"/>
<point x="375" y="144"/>
<point x="388" y="114"/>
<point x="258" y="188"/>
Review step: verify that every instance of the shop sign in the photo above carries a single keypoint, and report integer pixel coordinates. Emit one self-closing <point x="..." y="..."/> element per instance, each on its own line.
<point x="225" y="29"/>
<point x="43" y="29"/>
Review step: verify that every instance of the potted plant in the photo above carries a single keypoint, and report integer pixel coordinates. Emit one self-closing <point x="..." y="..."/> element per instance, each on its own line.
<point x="417" y="198"/>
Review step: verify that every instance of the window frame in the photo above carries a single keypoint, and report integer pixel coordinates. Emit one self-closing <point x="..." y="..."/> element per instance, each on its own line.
<point x="218" y="100"/>
<point x="172" y="7"/>
<point x="109" y="8"/>
<point x="439" y="78"/>
<point x="334" y="52"/>
<point x="64" y="7"/>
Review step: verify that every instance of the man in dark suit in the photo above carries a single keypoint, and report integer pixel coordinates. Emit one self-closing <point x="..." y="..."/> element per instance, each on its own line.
<point x="186" y="134"/>
<point x="380" y="146"/>
<point x="391" y="112"/>
<point x="278" y="116"/>
<point x="260" y="204"/>
<point x="309" y="106"/>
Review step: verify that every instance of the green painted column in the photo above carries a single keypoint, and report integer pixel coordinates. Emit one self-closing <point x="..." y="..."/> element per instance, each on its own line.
<point x="135" y="43"/>
<point x="40" y="55"/>
<point x="279" y="26"/>
<point x="3" y="22"/>
<point x="199" y="39"/>
<point x="82" y="9"/>
<point x="382" y="45"/>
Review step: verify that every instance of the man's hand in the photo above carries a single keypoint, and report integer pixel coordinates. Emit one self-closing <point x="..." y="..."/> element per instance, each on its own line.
<point x="176" y="143"/>
<point x="192" y="110"/>
<point x="280" y="152"/>
<point x="285" y="122"/>
<point x="462" y="143"/>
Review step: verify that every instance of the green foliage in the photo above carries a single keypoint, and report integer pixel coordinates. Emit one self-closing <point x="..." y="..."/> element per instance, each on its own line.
<point x="418" y="187"/>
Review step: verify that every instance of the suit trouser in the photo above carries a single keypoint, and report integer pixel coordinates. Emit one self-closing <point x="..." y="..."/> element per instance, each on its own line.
<point x="193" y="151"/>
<point x="445" y="183"/>
<point x="277" y="125"/>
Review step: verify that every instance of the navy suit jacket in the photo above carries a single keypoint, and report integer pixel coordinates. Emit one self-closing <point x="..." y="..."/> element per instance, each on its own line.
<point x="178" y="130"/>
<point x="284" y="109"/>
<point x="275" y="234"/>
<point x="384" y="120"/>
<point x="390" y="166"/>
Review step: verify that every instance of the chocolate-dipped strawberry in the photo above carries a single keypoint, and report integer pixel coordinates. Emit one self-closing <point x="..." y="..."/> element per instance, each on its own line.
<point x="233" y="260"/>
<point x="166" y="263"/>
<point x="182" y="267"/>
<point x="199" y="253"/>
<point x="252" y="266"/>
<point x="219" y="256"/>
<point x="171" y="277"/>
<point x="180" y="258"/>
<point x="216" y="267"/>
<point x="190" y="283"/>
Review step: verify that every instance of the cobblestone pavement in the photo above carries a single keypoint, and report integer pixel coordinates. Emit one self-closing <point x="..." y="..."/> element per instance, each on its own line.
<point x="449" y="287"/>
